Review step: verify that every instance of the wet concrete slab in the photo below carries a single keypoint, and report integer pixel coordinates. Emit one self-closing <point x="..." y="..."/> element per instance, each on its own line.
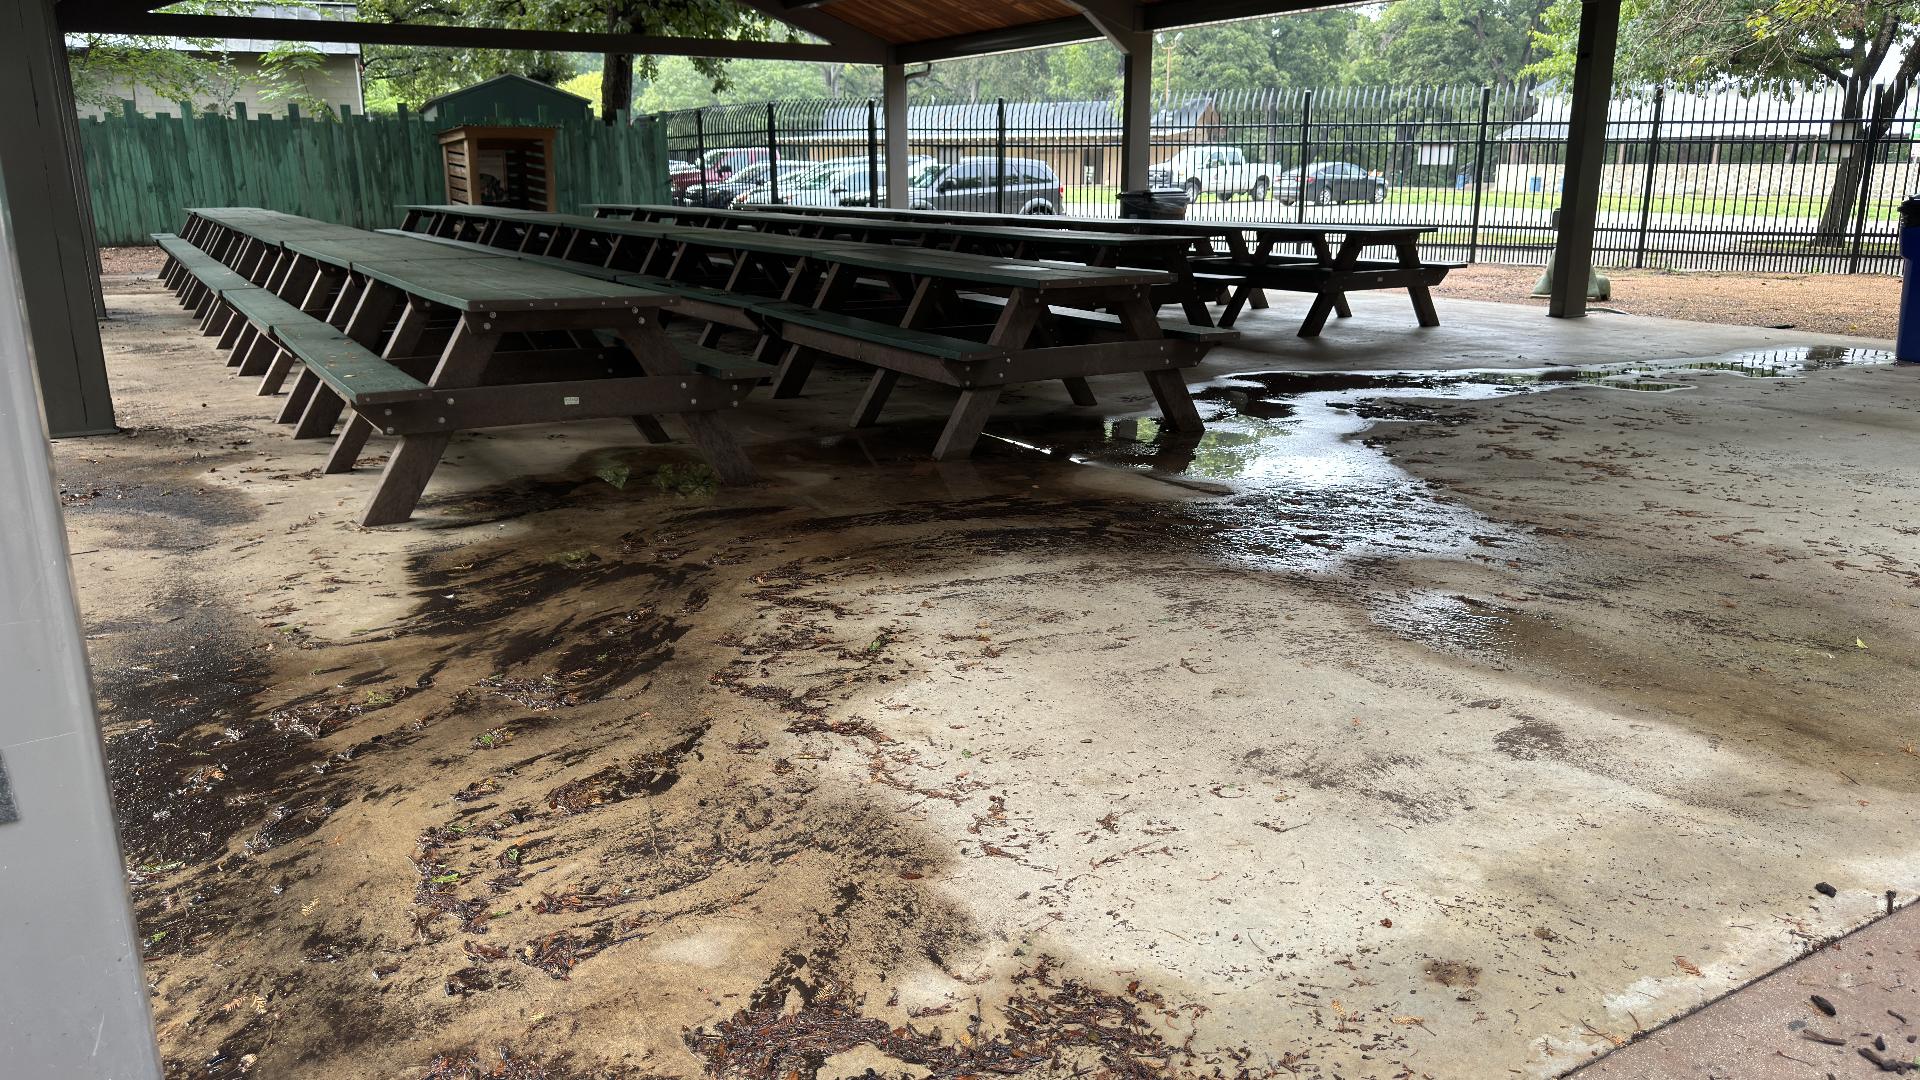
<point x="1466" y="702"/>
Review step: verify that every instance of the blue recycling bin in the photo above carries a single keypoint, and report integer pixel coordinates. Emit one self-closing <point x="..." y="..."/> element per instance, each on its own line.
<point x="1906" y="346"/>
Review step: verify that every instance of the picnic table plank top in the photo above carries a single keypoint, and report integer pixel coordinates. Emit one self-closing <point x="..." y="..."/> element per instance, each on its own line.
<point x="978" y="269"/>
<point x="471" y="209"/>
<point x="502" y="284"/>
<point x="965" y="266"/>
<point x="272" y="226"/>
<point x="1182" y="226"/>
<point x="1038" y="233"/>
<point x="345" y="251"/>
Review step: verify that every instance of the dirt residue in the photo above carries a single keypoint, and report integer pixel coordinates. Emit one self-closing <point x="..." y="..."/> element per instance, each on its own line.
<point x="1866" y="305"/>
<point x="1010" y="767"/>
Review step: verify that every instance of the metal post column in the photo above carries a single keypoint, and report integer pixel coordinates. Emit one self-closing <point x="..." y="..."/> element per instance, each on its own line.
<point x="1586" y="149"/>
<point x="1136" y="111"/>
<point x="52" y="246"/>
<point x="893" y="99"/>
<point x="73" y="1001"/>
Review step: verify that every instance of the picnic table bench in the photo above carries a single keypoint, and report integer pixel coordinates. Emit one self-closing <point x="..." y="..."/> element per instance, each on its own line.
<point x="902" y="310"/>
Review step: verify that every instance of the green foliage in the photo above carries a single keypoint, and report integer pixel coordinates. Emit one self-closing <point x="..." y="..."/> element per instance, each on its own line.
<point x="1757" y="45"/>
<point x="108" y="67"/>
<point x="1446" y="42"/>
<point x="1299" y="50"/>
<point x="416" y="75"/>
<point x="678" y="82"/>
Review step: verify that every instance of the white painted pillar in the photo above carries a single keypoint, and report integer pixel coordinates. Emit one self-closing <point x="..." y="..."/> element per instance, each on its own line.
<point x="73" y="1001"/>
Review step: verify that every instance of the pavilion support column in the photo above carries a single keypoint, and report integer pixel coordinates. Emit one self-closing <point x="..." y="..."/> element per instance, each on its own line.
<point x="1586" y="149"/>
<point x="73" y="1000"/>
<point x="1136" y="109"/>
<point x="893" y="101"/>
<point x="51" y="241"/>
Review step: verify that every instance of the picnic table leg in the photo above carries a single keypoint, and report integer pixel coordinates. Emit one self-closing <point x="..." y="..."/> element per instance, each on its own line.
<point x="921" y="305"/>
<point x="412" y="462"/>
<point x="797" y="363"/>
<point x="256" y="356"/>
<point x="370" y="315"/>
<point x="970" y="414"/>
<point x="1080" y="391"/>
<point x="1169" y="386"/>
<point x="405" y="339"/>
<point x="242" y="342"/>
<point x="654" y="352"/>
<point x="1237" y="248"/>
<point x="1185" y="284"/>
<point x="965" y="423"/>
<point x="879" y="388"/>
<point x="305" y="383"/>
<point x="651" y="430"/>
<point x="1408" y="253"/>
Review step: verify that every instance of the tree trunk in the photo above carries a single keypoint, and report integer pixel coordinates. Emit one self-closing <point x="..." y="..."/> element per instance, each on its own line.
<point x="616" y="86"/>
<point x="1837" y="218"/>
<point x="616" y="71"/>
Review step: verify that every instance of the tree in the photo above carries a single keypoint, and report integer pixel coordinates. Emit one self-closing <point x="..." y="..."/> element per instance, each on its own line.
<point x="1769" y="46"/>
<point x="685" y="18"/>
<point x="1447" y="42"/>
<point x="105" y="66"/>
<point x="1257" y="54"/>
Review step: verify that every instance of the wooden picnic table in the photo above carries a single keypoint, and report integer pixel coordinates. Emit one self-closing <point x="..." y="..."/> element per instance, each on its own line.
<point x="975" y="322"/>
<point x="493" y="299"/>
<point x="1250" y="250"/>
<point x="1102" y="248"/>
<point x="423" y="340"/>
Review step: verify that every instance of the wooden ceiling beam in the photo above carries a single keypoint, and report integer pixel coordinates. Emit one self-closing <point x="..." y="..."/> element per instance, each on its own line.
<point x="1117" y="20"/>
<point x="802" y="16"/>
<point x="468" y="37"/>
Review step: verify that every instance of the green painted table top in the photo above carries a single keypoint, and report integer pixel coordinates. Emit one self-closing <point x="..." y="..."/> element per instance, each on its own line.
<point x="345" y="251"/>
<point x="502" y="284"/>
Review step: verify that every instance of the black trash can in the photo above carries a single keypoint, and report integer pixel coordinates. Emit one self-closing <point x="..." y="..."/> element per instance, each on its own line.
<point x="1159" y="204"/>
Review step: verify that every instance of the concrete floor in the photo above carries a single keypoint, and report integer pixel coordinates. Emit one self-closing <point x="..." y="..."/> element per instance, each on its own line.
<point x="1408" y="726"/>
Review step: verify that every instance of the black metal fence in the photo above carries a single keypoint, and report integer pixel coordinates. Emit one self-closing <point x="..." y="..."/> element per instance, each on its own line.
<point x="1691" y="181"/>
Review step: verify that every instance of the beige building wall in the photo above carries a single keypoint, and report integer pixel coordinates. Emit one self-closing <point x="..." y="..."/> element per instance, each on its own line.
<point x="336" y="80"/>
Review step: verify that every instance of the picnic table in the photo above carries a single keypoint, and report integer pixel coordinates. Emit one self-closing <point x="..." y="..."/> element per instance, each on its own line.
<point x="976" y="322"/>
<point x="1243" y="249"/>
<point x="422" y="340"/>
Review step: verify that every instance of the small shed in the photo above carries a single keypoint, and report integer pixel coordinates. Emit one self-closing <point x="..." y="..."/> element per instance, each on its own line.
<point x="506" y="99"/>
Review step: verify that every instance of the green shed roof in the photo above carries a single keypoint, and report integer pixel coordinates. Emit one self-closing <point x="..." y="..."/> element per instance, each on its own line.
<point x="506" y="97"/>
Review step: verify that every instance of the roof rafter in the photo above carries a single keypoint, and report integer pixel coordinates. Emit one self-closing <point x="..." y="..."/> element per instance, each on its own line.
<point x="470" y="37"/>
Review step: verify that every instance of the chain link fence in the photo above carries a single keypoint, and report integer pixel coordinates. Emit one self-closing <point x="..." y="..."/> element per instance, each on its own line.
<point x="1717" y="181"/>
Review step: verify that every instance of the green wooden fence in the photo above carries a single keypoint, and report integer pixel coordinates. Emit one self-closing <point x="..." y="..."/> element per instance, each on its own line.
<point x="143" y="171"/>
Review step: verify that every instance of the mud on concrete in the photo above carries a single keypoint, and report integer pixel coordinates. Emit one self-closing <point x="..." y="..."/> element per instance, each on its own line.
<point x="1019" y="767"/>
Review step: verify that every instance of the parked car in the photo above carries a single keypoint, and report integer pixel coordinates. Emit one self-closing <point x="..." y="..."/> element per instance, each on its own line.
<point x="1222" y="170"/>
<point x="724" y="193"/>
<point x="1330" y="182"/>
<point x="716" y="165"/>
<point x="836" y="182"/>
<point x="973" y="184"/>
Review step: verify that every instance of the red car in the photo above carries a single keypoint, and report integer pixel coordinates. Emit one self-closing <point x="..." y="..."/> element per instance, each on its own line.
<point x="716" y="166"/>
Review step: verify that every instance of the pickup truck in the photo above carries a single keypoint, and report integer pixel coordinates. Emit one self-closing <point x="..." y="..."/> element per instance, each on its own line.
<point x="1222" y="170"/>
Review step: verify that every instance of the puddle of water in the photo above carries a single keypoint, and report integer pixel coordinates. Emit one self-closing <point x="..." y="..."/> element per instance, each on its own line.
<point x="1302" y="493"/>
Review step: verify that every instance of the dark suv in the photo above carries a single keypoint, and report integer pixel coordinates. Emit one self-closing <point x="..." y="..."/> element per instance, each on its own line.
<point x="1330" y="182"/>
<point x="973" y="184"/>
